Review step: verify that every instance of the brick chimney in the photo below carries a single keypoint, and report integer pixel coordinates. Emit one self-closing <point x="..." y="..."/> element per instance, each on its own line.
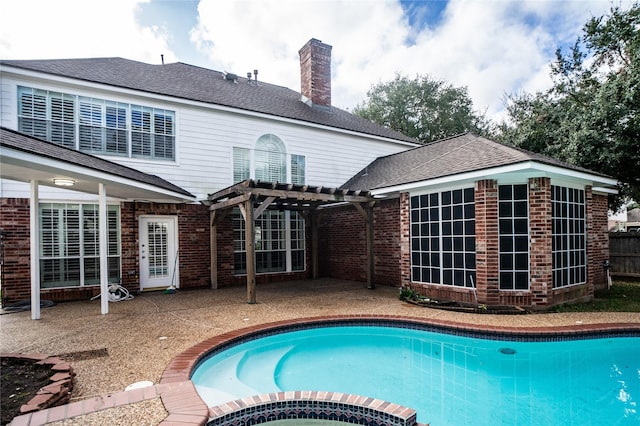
<point x="315" y="73"/>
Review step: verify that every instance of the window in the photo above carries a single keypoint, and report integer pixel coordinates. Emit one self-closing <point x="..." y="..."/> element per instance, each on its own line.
<point x="47" y="115"/>
<point x="513" y="230"/>
<point x="278" y="247"/>
<point x="152" y="133"/>
<point x="97" y="126"/>
<point x="270" y="159"/>
<point x="103" y="127"/>
<point x="569" y="248"/>
<point x="69" y="245"/>
<point x="241" y="164"/>
<point x="297" y="169"/>
<point x="270" y="162"/>
<point x="443" y="241"/>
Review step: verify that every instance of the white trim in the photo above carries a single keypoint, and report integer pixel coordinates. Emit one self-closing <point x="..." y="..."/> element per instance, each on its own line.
<point x="104" y="242"/>
<point x="600" y="189"/>
<point x="34" y="249"/>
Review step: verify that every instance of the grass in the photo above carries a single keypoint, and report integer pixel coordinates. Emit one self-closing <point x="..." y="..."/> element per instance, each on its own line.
<point x="624" y="296"/>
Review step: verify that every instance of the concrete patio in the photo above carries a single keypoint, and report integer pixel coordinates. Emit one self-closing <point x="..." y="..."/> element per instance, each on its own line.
<point x="139" y="338"/>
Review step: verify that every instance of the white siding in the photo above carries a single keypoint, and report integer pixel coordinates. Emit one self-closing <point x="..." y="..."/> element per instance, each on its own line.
<point x="205" y="137"/>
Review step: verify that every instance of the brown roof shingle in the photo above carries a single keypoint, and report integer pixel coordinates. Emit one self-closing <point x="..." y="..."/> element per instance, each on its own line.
<point x="203" y="85"/>
<point x="446" y="157"/>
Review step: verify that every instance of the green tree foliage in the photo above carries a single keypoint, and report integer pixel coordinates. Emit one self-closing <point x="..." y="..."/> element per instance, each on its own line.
<point x="423" y="108"/>
<point x="591" y="115"/>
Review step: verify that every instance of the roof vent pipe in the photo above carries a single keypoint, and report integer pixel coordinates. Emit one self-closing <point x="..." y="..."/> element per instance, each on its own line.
<point x="162" y="58"/>
<point x="255" y="75"/>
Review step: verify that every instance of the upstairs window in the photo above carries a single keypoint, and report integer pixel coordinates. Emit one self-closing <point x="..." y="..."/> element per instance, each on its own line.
<point x="241" y="164"/>
<point x="270" y="159"/>
<point x="297" y="169"/>
<point x="47" y="115"/>
<point x="97" y="126"/>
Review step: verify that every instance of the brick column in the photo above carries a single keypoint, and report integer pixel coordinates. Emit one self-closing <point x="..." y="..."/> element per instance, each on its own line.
<point x="487" y="249"/>
<point x="597" y="239"/>
<point x="405" y="240"/>
<point x="14" y="222"/>
<point x="540" y="232"/>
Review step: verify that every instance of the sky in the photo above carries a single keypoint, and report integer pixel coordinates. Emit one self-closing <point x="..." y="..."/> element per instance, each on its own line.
<point x="492" y="47"/>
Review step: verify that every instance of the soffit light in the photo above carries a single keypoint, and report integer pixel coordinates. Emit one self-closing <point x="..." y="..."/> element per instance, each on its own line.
<point x="64" y="182"/>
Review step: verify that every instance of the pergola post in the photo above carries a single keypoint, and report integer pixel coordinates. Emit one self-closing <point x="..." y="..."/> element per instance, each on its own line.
<point x="366" y="211"/>
<point x="369" y="237"/>
<point x="249" y="236"/>
<point x="315" y="218"/>
<point x="214" y="250"/>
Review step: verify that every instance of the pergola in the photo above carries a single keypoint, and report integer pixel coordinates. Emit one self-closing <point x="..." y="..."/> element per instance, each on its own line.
<point x="254" y="197"/>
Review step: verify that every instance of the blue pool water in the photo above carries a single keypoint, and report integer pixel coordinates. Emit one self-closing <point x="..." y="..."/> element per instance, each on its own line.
<point x="447" y="379"/>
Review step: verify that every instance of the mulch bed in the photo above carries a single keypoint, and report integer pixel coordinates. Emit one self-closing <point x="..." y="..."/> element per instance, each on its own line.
<point x="31" y="382"/>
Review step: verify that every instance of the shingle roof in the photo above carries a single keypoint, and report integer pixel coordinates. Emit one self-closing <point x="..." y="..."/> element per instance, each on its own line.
<point x="19" y="141"/>
<point x="200" y="84"/>
<point x="447" y="157"/>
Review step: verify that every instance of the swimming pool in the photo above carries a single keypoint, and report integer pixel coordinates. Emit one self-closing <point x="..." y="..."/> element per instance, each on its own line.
<point x="446" y="378"/>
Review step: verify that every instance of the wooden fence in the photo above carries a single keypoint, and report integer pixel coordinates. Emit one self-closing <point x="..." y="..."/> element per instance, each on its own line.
<point x="624" y="254"/>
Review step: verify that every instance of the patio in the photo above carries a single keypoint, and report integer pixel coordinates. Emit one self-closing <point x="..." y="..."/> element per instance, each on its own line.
<point x="139" y="338"/>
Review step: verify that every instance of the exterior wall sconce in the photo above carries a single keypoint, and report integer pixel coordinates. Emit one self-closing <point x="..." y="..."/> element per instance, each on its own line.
<point x="64" y="182"/>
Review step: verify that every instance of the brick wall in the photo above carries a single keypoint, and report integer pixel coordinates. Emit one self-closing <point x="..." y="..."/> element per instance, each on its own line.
<point x="342" y="244"/>
<point x="193" y="242"/>
<point x="14" y="223"/>
<point x="193" y="221"/>
<point x="597" y="238"/>
<point x="487" y="249"/>
<point x="388" y="243"/>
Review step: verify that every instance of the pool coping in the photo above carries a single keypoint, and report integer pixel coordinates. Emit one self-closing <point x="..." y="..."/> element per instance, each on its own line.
<point x="188" y="408"/>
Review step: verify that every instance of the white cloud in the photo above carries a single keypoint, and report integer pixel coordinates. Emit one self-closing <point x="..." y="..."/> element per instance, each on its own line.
<point x="494" y="47"/>
<point x="45" y="29"/>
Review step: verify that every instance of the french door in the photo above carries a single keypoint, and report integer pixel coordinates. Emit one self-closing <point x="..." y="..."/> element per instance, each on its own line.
<point x="158" y="248"/>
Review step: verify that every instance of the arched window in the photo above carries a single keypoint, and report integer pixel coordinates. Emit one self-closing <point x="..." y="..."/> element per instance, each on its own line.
<point x="270" y="159"/>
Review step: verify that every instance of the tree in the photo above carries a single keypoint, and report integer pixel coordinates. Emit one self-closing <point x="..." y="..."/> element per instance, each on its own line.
<point x="423" y="108"/>
<point x="591" y="115"/>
